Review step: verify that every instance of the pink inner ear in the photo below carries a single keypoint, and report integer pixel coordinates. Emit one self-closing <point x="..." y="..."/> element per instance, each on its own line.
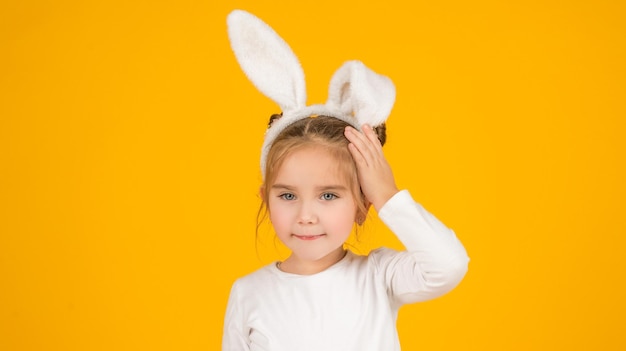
<point x="344" y="94"/>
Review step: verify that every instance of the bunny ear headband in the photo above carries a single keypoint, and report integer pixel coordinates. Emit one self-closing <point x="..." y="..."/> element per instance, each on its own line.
<point x="356" y="95"/>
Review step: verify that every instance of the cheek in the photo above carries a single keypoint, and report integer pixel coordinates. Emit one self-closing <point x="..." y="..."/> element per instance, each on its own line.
<point x="279" y="215"/>
<point x="343" y="218"/>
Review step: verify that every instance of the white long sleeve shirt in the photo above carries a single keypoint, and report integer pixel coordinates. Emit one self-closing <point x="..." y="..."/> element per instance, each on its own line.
<point x="352" y="305"/>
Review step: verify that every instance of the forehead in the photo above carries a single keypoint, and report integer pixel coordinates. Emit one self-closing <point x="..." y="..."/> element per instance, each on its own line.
<point x="313" y="166"/>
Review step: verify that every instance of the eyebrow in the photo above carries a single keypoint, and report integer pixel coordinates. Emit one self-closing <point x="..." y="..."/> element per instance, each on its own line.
<point x="318" y="188"/>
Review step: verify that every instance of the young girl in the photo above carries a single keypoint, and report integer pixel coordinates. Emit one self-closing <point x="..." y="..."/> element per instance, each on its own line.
<point x="323" y="167"/>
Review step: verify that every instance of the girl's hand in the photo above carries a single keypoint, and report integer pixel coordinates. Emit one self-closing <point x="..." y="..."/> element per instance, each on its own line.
<point x="375" y="175"/>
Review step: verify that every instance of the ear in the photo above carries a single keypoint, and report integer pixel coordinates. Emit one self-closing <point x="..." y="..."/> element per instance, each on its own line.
<point x="358" y="91"/>
<point x="267" y="60"/>
<point x="262" y="192"/>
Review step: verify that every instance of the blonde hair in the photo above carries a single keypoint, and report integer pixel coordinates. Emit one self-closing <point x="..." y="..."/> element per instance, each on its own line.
<point x="319" y="131"/>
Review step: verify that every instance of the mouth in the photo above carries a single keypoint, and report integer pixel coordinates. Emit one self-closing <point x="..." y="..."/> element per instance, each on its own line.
<point x="309" y="237"/>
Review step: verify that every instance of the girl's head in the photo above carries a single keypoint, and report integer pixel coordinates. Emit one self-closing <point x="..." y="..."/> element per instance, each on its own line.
<point x="325" y="135"/>
<point x="311" y="189"/>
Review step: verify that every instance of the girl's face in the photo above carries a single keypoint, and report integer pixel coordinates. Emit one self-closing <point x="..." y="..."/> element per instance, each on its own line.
<point x="311" y="206"/>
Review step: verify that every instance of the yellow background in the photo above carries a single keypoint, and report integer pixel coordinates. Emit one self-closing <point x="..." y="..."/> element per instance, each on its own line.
<point x="129" y="144"/>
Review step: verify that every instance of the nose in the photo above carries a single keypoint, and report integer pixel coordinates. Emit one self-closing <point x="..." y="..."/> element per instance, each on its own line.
<point x="307" y="214"/>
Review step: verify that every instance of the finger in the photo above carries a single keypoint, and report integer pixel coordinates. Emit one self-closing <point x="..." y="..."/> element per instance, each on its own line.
<point x="371" y="141"/>
<point x="372" y="137"/>
<point x="371" y="146"/>
<point x="361" y="143"/>
<point x="357" y="138"/>
<point x="357" y="156"/>
<point x="356" y="145"/>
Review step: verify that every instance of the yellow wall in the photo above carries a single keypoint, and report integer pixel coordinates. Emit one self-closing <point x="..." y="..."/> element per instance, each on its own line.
<point x="129" y="143"/>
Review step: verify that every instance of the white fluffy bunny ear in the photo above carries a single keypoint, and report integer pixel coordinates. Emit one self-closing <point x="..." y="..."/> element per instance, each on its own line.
<point x="267" y="60"/>
<point x="357" y="95"/>
<point x="357" y="91"/>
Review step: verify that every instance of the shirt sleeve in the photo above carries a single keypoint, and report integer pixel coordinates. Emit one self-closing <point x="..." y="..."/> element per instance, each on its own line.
<point x="235" y="334"/>
<point x="434" y="261"/>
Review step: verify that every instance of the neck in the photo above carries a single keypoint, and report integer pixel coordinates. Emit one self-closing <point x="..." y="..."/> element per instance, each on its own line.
<point x="295" y="265"/>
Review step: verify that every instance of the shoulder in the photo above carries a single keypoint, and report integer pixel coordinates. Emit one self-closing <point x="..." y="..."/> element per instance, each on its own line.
<point x="373" y="262"/>
<point x="255" y="280"/>
<point x="382" y="256"/>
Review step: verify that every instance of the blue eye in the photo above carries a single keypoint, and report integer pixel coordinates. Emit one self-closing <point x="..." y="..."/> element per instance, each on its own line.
<point x="329" y="196"/>
<point x="287" y="196"/>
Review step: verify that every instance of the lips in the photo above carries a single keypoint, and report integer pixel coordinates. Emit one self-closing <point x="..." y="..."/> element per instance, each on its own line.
<point x="309" y="237"/>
